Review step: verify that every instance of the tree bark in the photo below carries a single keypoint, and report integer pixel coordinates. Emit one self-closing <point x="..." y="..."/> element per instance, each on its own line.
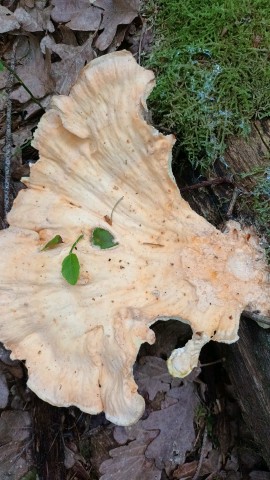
<point x="48" y="441"/>
<point x="248" y="360"/>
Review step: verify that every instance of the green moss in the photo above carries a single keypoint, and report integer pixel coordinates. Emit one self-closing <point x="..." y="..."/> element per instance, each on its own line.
<point x="213" y="70"/>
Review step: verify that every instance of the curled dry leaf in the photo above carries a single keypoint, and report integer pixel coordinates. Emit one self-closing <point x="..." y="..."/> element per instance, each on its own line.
<point x="82" y="342"/>
<point x="34" y="73"/>
<point x="65" y="72"/>
<point x="34" y="19"/>
<point x="8" y="21"/>
<point x="116" y="12"/>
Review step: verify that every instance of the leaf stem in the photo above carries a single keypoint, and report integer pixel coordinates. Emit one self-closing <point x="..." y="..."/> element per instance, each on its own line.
<point x="75" y="243"/>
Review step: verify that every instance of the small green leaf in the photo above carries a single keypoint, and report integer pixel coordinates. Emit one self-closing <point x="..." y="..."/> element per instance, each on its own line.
<point x="103" y="239"/>
<point x="2" y="66"/>
<point x="71" y="268"/>
<point x="52" y="243"/>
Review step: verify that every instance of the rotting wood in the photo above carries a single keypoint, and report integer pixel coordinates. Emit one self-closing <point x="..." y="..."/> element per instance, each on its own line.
<point x="48" y="441"/>
<point x="247" y="361"/>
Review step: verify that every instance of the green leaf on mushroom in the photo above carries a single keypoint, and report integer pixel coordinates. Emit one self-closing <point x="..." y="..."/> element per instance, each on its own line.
<point x="103" y="239"/>
<point x="71" y="265"/>
<point x="52" y="243"/>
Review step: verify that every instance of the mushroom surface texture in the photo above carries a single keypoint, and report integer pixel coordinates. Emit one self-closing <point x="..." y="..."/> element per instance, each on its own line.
<point x="102" y="166"/>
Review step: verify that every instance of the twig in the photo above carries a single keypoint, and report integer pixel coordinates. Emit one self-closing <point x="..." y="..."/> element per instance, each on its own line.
<point x="207" y="183"/>
<point x="235" y="196"/>
<point x="8" y="134"/>
<point x="257" y="317"/>
<point x="221" y="360"/>
<point x="202" y="455"/>
<point x="141" y="39"/>
<point x="12" y="71"/>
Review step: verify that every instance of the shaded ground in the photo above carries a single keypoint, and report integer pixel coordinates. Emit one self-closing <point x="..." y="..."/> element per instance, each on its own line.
<point x="190" y="429"/>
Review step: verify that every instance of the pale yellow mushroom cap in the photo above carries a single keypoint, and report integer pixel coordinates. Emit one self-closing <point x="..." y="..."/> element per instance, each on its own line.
<point x="80" y="342"/>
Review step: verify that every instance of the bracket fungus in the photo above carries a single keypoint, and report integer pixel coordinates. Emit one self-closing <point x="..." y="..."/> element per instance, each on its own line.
<point x="80" y="341"/>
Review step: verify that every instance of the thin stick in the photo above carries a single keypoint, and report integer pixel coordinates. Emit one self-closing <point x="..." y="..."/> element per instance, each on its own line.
<point x="202" y="455"/>
<point x="221" y="360"/>
<point x="207" y="183"/>
<point x="234" y="198"/>
<point x="141" y="39"/>
<point x="8" y="135"/>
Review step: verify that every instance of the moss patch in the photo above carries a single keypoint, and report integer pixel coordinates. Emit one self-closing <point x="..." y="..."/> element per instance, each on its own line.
<point x="213" y="70"/>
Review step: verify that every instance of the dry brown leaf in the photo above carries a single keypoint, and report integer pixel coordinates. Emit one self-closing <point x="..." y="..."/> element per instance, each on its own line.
<point x="175" y="424"/>
<point x="64" y="10"/>
<point x="187" y="470"/>
<point x="129" y="462"/>
<point x="73" y="59"/>
<point x="3" y="78"/>
<point x="152" y="376"/>
<point x="8" y="21"/>
<point x="67" y="35"/>
<point x="33" y="72"/>
<point x="47" y="42"/>
<point x="88" y="20"/>
<point x="116" y="12"/>
<point x="15" y="432"/>
<point x="259" y="475"/>
<point x="35" y="19"/>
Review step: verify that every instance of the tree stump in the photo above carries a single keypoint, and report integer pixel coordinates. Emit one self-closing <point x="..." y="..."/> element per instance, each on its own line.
<point x="248" y="360"/>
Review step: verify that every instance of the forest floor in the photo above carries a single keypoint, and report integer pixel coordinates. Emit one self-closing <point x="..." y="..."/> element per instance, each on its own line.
<point x="191" y="429"/>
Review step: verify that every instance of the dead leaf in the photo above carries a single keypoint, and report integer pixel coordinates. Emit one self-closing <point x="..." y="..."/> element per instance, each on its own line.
<point x="174" y="423"/>
<point x="88" y="20"/>
<point x="64" y="10"/>
<point x="4" y="392"/>
<point x="15" y="433"/>
<point x="129" y="462"/>
<point x="3" y="77"/>
<point x="68" y="36"/>
<point x="34" y="19"/>
<point x="47" y="42"/>
<point x="151" y="375"/>
<point x="73" y="59"/>
<point x="259" y="475"/>
<point x="8" y="21"/>
<point x="33" y="72"/>
<point x="177" y="433"/>
<point x="118" y="38"/>
<point x="116" y="12"/>
<point x="123" y="434"/>
<point x="187" y="470"/>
